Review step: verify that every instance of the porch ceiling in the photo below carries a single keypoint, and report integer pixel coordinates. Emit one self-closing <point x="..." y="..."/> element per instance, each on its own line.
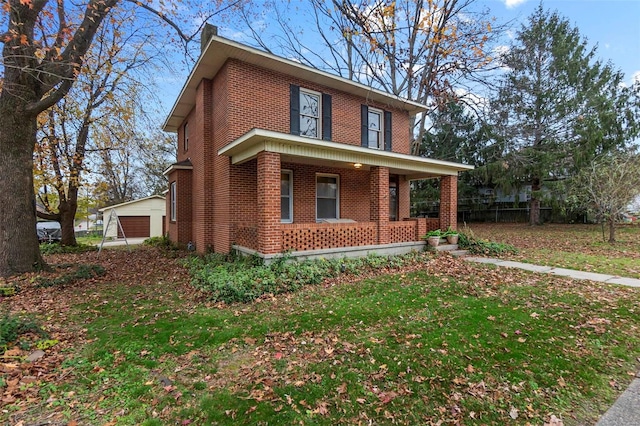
<point x="314" y="151"/>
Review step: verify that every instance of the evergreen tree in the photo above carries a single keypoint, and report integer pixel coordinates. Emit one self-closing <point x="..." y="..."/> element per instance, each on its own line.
<point x="557" y="107"/>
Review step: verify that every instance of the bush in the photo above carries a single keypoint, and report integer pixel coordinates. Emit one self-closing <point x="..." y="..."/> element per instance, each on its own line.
<point x="12" y="327"/>
<point x="162" y="242"/>
<point x="230" y="279"/>
<point x="57" y="248"/>
<point x="83" y="272"/>
<point x="468" y="241"/>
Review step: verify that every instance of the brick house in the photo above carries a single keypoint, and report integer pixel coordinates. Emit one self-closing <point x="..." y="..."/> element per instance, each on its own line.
<point x="276" y="156"/>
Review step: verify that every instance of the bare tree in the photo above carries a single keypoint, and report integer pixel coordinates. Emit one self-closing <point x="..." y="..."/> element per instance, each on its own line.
<point x="422" y="50"/>
<point x="44" y="46"/>
<point x="106" y="78"/>
<point x="607" y="187"/>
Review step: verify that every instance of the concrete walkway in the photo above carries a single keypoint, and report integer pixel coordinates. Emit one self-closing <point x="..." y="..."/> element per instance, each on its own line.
<point x="626" y="410"/>
<point x="122" y="242"/>
<point x="571" y="273"/>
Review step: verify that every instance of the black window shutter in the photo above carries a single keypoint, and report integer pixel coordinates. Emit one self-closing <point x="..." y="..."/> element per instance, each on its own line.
<point x="294" y="109"/>
<point x="364" y="118"/>
<point x="387" y="131"/>
<point x="326" y="117"/>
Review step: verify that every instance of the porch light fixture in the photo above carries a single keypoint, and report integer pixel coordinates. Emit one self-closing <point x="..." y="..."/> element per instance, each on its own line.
<point x="357" y="165"/>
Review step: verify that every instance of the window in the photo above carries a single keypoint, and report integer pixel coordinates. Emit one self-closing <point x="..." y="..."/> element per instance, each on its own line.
<point x="376" y="128"/>
<point x="173" y="201"/>
<point x="310" y="107"/>
<point x="374" y="125"/>
<point x="327" y="196"/>
<point x="393" y="198"/>
<point x="186" y="137"/>
<point x="286" y="196"/>
<point x="309" y="113"/>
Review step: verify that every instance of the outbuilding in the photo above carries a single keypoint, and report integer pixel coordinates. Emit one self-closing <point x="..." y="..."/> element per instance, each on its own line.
<point x="141" y="218"/>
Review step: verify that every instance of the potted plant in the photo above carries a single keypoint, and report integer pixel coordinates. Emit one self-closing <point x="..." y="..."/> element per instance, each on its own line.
<point x="451" y="235"/>
<point x="433" y="237"/>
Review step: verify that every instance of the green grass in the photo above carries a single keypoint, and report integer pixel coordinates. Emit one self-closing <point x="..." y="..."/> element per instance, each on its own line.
<point x="89" y="240"/>
<point x="570" y="246"/>
<point x="462" y="346"/>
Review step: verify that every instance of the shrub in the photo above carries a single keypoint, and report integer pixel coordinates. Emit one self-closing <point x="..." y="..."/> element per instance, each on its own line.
<point x="468" y="241"/>
<point x="82" y="272"/>
<point x="12" y="327"/>
<point x="230" y="279"/>
<point x="163" y="242"/>
<point x="57" y="248"/>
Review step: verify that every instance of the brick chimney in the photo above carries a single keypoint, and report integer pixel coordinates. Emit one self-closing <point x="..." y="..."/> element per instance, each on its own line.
<point x="208" y="31"/>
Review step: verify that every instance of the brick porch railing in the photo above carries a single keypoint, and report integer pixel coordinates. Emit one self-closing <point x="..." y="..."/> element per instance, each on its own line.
<point x="316" y="236"/>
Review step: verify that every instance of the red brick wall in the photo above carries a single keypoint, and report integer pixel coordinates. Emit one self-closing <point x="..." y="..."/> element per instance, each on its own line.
<point x="180" y="230"/>
<point x="354" y="185"/>
<point x="269" y="235"/>
<point x="448" y="202"/>
<point x="259" y="98"/>
<point x="404" y="196"/>
<point x="379" y="202"/>
<point x="224" y="198"/>
<point x="219" y="166"/>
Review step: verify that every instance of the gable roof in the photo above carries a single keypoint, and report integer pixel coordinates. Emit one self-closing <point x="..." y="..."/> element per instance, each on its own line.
<point x="219" y="49"/>
<point x="131" y="202"/>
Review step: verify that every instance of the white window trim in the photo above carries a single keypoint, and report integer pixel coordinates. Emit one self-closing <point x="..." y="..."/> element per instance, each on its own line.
<point x="319" y="128"/>
<point x="290" y="173"/>
<point x="173" y="201"/>
<point x="381" y="131"/>
<point x="337" y="194"/>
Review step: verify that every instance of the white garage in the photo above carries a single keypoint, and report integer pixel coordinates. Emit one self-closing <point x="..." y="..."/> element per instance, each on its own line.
<point x="141" y="218"/>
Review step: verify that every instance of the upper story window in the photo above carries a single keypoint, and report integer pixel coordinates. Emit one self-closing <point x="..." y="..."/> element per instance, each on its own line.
<point x="310" y="113"/>
<point x="185" y="142"/>
<point x="310" y="107"/>
<point x="375" y="128"/>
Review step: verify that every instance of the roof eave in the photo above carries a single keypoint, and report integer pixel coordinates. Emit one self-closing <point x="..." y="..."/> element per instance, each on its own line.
<point x="250" y="144"/>
<point x="219" y="49"/>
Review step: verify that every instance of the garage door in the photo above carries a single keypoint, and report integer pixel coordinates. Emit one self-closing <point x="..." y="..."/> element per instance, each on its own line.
<point x="135" y="226"/>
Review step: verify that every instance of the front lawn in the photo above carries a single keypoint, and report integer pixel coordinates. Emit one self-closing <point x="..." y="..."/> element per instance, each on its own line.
<point x="569" y="246"/>
<point x="441" y="340"/>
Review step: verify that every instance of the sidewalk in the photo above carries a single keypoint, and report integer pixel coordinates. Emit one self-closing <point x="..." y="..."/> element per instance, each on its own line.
<point x="626" y="410"/>
<point x="122" y="242"/>
<point x="578" y="275"/>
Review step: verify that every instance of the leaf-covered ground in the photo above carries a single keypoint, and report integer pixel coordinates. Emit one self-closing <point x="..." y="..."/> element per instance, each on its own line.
<point x="441" y="342"/>
<point x="570" y="246"/>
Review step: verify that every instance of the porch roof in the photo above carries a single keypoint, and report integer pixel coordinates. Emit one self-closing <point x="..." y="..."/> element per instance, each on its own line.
<point x="314" y="151"/>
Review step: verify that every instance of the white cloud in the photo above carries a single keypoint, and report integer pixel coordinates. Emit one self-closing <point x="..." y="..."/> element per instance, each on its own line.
<point x="513" y="3"/>
<point x="635" y="77"/>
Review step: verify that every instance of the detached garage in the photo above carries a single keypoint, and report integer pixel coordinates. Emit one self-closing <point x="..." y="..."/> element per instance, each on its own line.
<point x="141" y="218"/>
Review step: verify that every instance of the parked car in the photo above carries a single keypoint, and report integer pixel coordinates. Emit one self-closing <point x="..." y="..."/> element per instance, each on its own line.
<point x="48" y="231"/>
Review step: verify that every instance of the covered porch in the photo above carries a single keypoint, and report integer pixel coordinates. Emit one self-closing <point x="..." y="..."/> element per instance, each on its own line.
<point x="372" y="196"/>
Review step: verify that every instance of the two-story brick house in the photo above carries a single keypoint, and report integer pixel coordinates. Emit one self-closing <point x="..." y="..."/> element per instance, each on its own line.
<point x="276" y="156"/>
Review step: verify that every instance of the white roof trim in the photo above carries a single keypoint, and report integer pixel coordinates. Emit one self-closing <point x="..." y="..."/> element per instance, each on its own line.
<point x="220" y="49"/>
<point x="131" y="202"/>
<point x="251" y="143"/>
<point x="176" y="167"/>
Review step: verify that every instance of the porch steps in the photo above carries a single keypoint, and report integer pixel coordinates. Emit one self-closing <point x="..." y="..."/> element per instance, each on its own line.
<point x="452" y="249"/>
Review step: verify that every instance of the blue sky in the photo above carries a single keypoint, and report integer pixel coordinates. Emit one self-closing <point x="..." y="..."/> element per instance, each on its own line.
<point x="614" y="25"/>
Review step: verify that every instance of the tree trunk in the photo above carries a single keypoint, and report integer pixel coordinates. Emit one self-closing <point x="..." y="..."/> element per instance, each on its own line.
<point x="67" y="220"/>
<point x="19" y="248"/>
<point x="612" y="229"/>
<point x="534" y="211"/>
